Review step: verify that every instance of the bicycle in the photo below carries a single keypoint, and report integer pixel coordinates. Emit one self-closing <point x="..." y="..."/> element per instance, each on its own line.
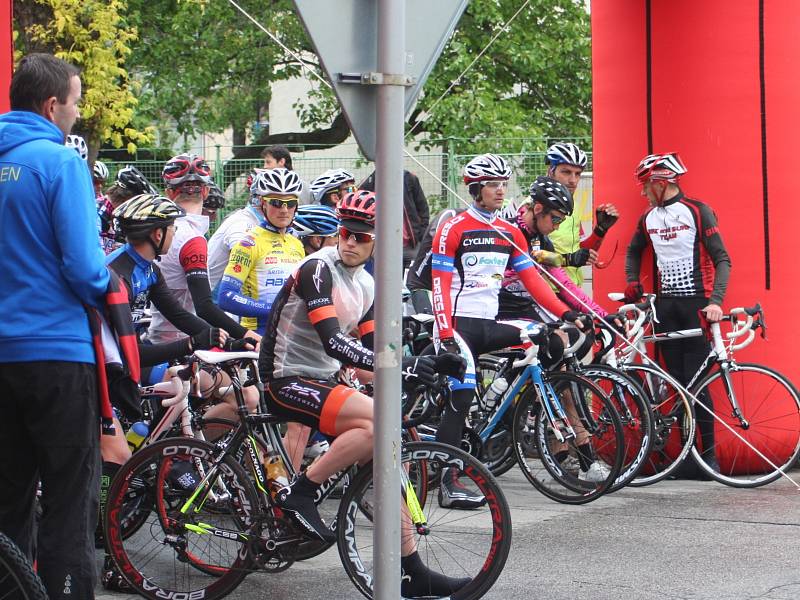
<point x="18" y="580"/>
<point x="756" y="410"/>
<point x="229" y="523"/>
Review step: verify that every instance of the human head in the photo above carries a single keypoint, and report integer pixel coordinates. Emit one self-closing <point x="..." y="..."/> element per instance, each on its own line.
<point x="550" y="204"/>
<point x="487" y="178"/>
<point x="567" y="161"/>
<point x="316" y="226"/>
<point x="215" y="200"/>
<point x="148" y="218"/>
<point x="128" y="183"/>
<point x="47" y="86"/>
<point x="187" y="177"/>
<point x="658" y="174"/>
<point x="278" y="193"/>
<point x="277" y="156"/>
<point x="330" y="187"/>
<point x="356" y="212"/>
<point x="99" y="176"/>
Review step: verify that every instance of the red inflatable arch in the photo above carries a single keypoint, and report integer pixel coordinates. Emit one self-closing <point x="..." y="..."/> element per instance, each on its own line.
<point x="716" y="81"/>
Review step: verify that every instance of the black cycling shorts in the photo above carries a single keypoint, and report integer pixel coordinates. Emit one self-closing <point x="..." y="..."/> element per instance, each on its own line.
<point x="313" y="402"/>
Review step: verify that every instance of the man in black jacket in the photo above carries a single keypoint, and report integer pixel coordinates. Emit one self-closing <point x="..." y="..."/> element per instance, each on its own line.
<point x="416" y="213"/>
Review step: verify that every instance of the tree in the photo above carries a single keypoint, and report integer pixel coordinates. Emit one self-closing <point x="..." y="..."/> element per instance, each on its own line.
<point x="94" y="35"/>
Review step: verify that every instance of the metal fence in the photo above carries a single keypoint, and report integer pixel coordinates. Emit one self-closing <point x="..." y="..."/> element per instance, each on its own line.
<point x="441" y="169"/>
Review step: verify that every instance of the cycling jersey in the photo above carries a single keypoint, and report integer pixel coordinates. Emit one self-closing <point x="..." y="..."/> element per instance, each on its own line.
<point x="227" y="235"/>
<point x="691" y="257"/>
<point x="322" y="302"/>
<point x="257" y="269"/>
<point x="470" y="257"/>
<point x="108" y="234"/>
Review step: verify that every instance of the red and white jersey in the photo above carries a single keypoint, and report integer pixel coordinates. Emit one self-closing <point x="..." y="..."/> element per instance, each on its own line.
<point x="187" y="257"/>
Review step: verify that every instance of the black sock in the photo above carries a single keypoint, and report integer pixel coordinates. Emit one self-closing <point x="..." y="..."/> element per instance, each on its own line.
<point x="419" y="581"/>
<point x="303" y="486"/>
<point x="109" y="470"/>
<point x="585" y="456"/>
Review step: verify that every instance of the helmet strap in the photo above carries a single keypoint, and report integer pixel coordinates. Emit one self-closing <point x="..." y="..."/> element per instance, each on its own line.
<point x="158" y="248"/>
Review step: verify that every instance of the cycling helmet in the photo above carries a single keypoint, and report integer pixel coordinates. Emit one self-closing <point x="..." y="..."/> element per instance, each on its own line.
<point x="77" y="142"/>
<point x="99" y="171"/>
<point x="329" y="180"/>
<point x="215" y="199"/>
<point x="358" y="206"/>
<point x="486" y="167"/>
<point x="142" y="214"/>
<point x="276" y="181"/>
<point x="186" y="167"/>
<point x="565" y="153"/>
<point x="552" y="194"/>
<point x="666" y="167"/>
<point x="131" y="179"/>
<point x="313" y="219"/>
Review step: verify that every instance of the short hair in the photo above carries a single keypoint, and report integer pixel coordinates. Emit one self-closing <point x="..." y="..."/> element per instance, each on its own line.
<point x="279" y="152"/>
<point x="39" y="77"/>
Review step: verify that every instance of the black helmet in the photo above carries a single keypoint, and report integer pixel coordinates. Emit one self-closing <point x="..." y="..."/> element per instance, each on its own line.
<point x="215" y="199"/>
<point x="552" y="194"/>
<point x="131" y="179"/>
<point x="140" y="215"/>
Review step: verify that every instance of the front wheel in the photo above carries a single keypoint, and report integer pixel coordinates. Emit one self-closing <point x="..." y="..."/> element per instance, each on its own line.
<point x="18" y="580"/>
<point x="470" y="544"/>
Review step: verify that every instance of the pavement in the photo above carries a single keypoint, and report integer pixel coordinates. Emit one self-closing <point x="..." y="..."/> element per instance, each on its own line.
<point x="687" y="540"/>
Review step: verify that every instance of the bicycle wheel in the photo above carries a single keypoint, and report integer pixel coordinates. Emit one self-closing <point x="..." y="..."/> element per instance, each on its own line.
<point x="458" y="543"/>
<point x="559" y="469"/>
<point x="633" y="407"/>
<point x="768" y="421"/>
<point x="18" y="580"/>
<point x="161" y="559"/>
<point x="673" y="423"/>
<point x="497" y="452"/>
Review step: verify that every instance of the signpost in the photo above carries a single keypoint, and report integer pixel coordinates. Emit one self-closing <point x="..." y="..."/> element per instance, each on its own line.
<point x="377" y="57"/>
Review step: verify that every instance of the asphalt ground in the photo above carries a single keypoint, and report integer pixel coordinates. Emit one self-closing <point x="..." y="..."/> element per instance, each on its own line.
<point x="687" y="540"/>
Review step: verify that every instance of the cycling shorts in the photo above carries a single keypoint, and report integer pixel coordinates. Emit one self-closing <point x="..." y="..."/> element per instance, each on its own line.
<point x="312" y="402"/>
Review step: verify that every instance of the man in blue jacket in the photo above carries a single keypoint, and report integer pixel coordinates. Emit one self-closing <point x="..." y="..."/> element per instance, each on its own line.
<point x="51" y="265"/>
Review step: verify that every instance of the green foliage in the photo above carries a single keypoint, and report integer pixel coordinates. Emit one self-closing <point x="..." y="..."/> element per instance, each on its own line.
<point x="93" y="35"/>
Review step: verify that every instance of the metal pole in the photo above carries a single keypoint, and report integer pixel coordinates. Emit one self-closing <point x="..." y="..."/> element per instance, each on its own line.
<point x="388" y="279"/>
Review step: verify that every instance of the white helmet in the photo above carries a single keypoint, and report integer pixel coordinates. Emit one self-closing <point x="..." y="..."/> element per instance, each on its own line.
<point x="329" y="180"/>
<point x="667" y="167"/>
<point x="77" y="142"/>
<point x="276" y="181"/>
<point x="99" y="171"/>
<point x="486" y="167"/>
<point x="566" y="153"/>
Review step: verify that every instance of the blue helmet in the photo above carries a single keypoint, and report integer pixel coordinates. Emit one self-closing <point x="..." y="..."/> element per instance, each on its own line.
<point x="315" y="219"/>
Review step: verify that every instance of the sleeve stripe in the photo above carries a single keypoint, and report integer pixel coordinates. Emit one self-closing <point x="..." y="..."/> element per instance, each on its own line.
<point x="366" y="328"/>
<point x="442" y="262"/>
<point x="321" y="313"/>
<point x="521" y="263"/>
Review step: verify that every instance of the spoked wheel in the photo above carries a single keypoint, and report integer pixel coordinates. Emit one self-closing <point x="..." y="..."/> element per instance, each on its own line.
<point x="470" y="546"/>
<point x="18" y="580"/>
<point x="583" y="467"/>
<point x="197" y="542"/>
<point x="750" y="447"/>
<point x="673" y="423"/>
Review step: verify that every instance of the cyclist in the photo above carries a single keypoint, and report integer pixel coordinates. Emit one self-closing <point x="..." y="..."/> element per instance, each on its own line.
<point x="550" y="205"/>
<point x="566" y="163"/>
<point x="693" y="269"/>
<point x="261" y="262"/>
<point x="214" y="201"/>
<point x="128" y="183"/>
<point x="316" y="226"/>
<point x="330" y="187"/>
<point x="99" y="177"/>
<point x="329" y="295"/>
<point x="279" y="157"/>
<point x="471" y="252"/>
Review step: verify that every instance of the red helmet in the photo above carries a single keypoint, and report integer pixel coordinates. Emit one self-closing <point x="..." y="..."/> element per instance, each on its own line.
<point x="186" y="167"/>
<point x="358" y="205"/>
<point x="666" y="167"/>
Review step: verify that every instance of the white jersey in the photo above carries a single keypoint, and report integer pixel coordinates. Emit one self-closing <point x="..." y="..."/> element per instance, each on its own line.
<point x="230" y="232"/>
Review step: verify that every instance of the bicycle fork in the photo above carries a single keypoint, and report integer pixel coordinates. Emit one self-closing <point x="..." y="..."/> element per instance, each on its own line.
<point x="556" y="415"/>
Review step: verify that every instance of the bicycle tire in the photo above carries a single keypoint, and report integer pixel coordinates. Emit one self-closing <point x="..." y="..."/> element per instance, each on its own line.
<point x="154" y="561"/>
<point x="633" y="407"/>
<point x="479" y="550"/>
<point x="770" y="404"/>
<point x="18" y="580"/>
<point x="497" y="452"/>
<point x="674" y="423"/>
<point x="535" y="442"/>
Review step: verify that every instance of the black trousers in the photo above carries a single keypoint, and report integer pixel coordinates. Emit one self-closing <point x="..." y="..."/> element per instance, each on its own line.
<point x="49" y="432"/>
<point x="684" y="357"/>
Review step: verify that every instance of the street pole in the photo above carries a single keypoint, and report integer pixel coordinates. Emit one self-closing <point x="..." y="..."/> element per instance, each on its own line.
<point x="388" y="279"/>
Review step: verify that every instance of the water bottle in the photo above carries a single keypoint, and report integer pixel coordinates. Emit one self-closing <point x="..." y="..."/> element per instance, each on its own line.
<point x="495" y="391"/>
<point x="276" y="472"/>
<point x="136" y="435"/>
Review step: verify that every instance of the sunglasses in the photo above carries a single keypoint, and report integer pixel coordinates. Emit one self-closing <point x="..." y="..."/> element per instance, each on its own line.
<point x="556" y="219"/>
<point x="281" y="202"/>
<point x="360" y="237"/>
<point x="493" y="185"/>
